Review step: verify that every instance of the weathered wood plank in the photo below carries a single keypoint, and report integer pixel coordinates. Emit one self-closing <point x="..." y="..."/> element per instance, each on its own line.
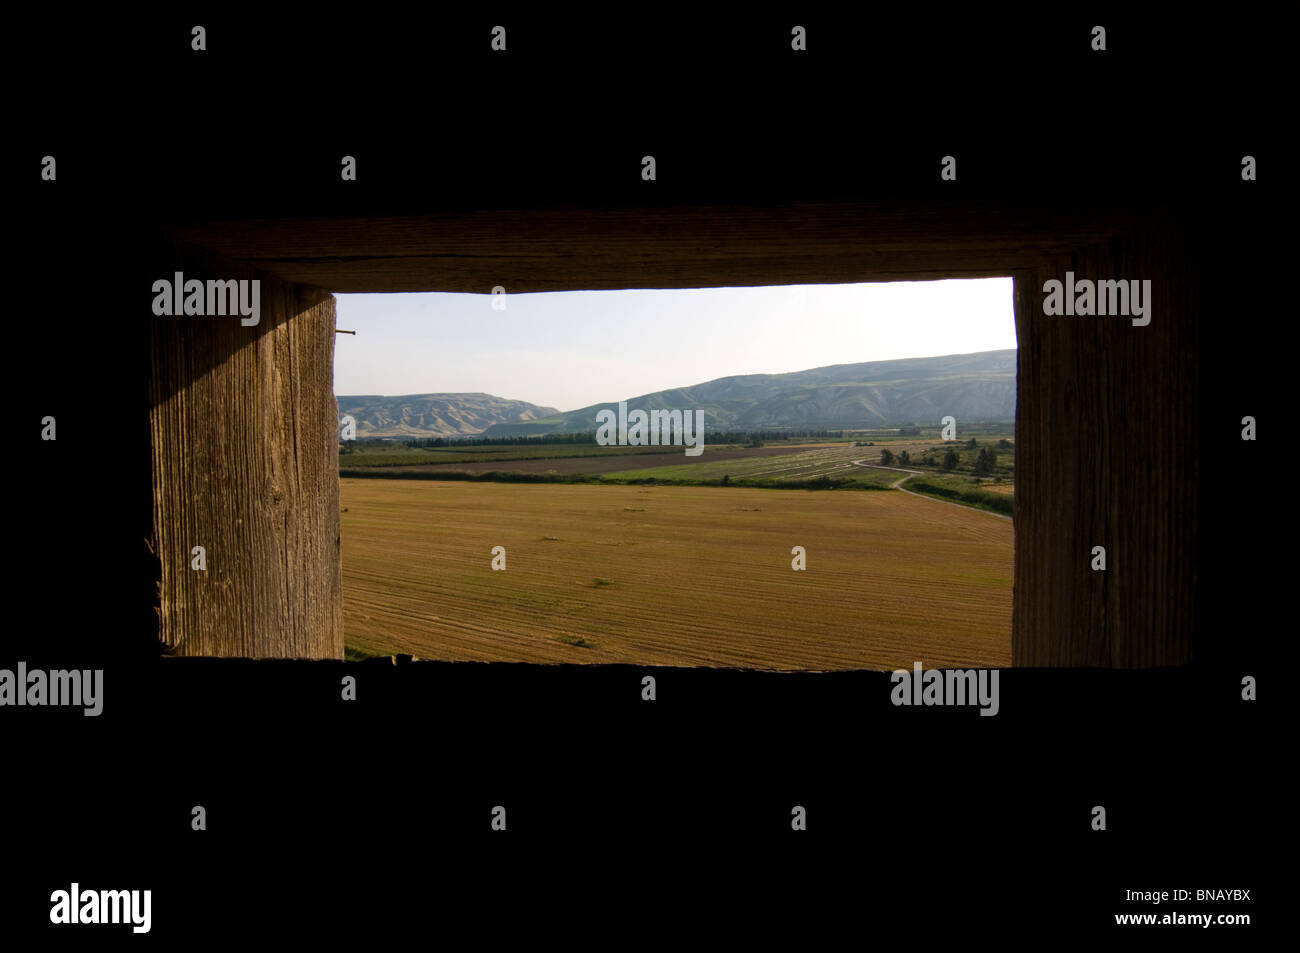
<point x="244" y="434"/>
<point x="527" y="250"/>
<point x="1107" y="439"/>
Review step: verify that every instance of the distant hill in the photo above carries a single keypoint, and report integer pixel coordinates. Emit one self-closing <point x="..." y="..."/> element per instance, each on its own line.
<point x="918" y="390"/>
<point x="436" y="415"/>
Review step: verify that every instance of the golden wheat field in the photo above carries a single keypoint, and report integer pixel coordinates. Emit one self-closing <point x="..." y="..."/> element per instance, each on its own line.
<point x="673" y="575"/>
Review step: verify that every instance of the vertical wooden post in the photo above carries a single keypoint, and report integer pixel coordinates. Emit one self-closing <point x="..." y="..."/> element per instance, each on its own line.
<point x="1106" y="455"/>
<point x="245" y="436"/>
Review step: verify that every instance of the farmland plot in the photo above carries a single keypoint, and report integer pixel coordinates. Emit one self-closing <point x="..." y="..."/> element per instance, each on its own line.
<point x="673" y="575"/>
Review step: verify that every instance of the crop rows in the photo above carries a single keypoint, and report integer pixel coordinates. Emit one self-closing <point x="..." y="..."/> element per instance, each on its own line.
<point x="673" y="576"/>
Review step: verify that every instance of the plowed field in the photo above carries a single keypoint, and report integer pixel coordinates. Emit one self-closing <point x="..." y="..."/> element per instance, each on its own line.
<point x="673" y="575"/>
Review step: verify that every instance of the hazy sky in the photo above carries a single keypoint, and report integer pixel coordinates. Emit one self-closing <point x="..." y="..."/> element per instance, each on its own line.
<point x="571" y="349"/>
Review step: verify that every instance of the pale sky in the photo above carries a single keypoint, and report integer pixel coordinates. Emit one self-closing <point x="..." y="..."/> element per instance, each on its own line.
<point x="571" y="349"/>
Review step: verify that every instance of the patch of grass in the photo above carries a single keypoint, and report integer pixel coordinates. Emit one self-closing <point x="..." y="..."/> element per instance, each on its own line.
<point x="353" y="654"/>
<point x="980" y="499"/>
<point x="819" y="468"/>
<point x="861" y="481"/>
<point x="576" y="640"/>
<point x="397" y="454"/>
<point x="602" y="581"/>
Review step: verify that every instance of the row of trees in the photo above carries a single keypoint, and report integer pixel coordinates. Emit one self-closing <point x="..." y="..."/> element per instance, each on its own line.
<point x="985" y="464"/>
<point x="500" y="441"/>
<point x="751" y="438"/>
<point x="888" y="458"/>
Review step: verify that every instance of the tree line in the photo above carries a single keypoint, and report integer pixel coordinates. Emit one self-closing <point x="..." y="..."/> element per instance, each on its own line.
<point x="985" y="463"/>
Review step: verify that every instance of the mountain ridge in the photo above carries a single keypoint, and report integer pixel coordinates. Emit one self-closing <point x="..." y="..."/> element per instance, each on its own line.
<point x="871" y="394"/>
<point x="436" y="414"/>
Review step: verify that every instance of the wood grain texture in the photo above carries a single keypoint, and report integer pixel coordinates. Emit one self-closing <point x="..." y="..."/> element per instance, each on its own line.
<point x="1107" y="455"/>
<point x="557" y="249"/>
<point x="244" y="435"/>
